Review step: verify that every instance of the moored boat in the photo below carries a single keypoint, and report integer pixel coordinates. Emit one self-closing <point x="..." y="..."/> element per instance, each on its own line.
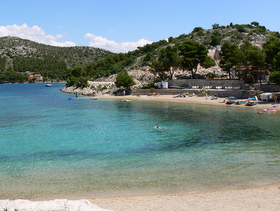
<point x="251" y="103"/>
<point x="48" y="85"/>
<point x="270" y="110"/>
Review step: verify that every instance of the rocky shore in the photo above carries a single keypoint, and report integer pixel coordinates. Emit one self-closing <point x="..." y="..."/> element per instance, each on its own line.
<point x="79" y="91"/>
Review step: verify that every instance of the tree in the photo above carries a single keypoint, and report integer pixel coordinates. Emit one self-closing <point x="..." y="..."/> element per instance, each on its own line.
<point x="77" y="71"/>
<point x="125" y="80"/>
<point x="229" y="59"/>
<point x="82" y="82"/>
<point x="198" y="30"/>
<point x="168" y="61"/>
<point x="2" y="63"/>
<point x="251" y="58"/>
<point x="216" y="38"/>
<point x="215" y="26"/>
<point x="208" y="62"/>
<point x="272" y="52"/>
<point x="255" y="23"/>
<point x="192" y="53"/>
<point x="272" y="48"/>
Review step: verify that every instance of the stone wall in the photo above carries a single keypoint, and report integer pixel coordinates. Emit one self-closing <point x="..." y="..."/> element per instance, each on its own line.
<point x="269" y="88"/>
<point x="209" y="82"/>
<point x="240" y="94"/>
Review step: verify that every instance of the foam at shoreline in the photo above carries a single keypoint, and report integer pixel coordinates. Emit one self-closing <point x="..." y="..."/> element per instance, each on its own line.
<point x="54" y="205"/>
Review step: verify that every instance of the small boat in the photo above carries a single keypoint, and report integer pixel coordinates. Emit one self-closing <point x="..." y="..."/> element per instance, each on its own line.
<point x="251" y="103"/>
<point x="240" y="102"/>
<point x="229" y="102"/>
<point x="270" y="110"/>
<point x="48" y="85"/>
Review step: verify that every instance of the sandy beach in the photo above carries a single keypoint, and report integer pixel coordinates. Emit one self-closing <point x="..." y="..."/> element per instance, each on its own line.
<point x="195" y="100"/>
<point x="249" y="199"/>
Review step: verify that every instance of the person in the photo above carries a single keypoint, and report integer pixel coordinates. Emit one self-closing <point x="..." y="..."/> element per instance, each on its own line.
<point x="158" y="127"/>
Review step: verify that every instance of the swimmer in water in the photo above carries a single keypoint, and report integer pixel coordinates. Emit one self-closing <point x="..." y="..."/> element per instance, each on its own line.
<point x="157" y="127"/>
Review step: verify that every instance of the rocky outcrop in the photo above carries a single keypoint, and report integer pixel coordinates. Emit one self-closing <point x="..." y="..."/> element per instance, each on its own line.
<point x="79" y="91"/>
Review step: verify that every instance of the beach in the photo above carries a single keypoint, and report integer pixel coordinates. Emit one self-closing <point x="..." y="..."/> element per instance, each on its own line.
<point x="205" y="100"/>
<point x="247" y="199"/>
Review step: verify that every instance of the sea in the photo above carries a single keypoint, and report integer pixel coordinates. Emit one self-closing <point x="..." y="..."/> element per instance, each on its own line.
<point x="57" y="145"/>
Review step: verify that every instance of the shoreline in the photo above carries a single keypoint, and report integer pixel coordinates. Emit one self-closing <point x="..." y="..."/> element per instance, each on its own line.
<point x="249" y="198"/>
<point x="192" y="100"/>
<point x="266" y="197"/>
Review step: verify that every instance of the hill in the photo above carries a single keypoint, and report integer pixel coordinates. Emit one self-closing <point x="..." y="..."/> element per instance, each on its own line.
<point x="142" y="57"/>
<point x="23" y="55"/>
<point x="12" y="47"/>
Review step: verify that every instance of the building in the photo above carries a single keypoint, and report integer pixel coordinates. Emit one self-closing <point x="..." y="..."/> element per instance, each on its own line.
<point x="36" y="77"/>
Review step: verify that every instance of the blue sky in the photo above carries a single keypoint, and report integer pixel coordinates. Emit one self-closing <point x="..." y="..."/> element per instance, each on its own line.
<point x="122" y="25"/>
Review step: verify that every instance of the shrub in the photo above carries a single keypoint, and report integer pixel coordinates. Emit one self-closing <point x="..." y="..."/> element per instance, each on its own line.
<point x="152" y="89"/>
<point x="203" y="91"/>
<point x="185" y="85"/>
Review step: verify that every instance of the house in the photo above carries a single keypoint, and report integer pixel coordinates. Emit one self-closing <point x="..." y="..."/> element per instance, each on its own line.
<point x="36" y="77"/>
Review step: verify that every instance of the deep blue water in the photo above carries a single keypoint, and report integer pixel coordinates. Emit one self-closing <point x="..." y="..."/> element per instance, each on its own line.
<point x="52" y="147"/>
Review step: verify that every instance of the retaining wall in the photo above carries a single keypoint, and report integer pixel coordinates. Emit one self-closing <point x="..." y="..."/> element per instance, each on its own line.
<point x="240" y="94"/>
<point x="209" y="82"/>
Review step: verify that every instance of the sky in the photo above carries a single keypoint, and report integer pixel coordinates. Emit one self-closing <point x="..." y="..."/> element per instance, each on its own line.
<point x="123" y="25"/>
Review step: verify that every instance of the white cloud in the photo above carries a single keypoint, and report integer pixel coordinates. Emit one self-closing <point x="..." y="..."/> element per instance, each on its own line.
<point x="34" y="33"/>
<point x="100" y="42"/>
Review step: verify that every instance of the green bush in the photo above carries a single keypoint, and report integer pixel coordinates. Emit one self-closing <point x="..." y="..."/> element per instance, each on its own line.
<point x="185" y="85"/>
<point x="152" y="89"/>
<point x="203" y="91"/>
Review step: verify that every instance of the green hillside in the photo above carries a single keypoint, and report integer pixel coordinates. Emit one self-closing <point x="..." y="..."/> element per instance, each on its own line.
<point x="17" y="56"/>
<point x="21" y="56"/>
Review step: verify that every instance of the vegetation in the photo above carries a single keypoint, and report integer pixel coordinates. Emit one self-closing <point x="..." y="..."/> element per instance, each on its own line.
<point x="77" y="77"/>
<point x="192" y="54"/>
<point x="20" y="56"/>
<point x="123" y="79"/>
<point x="77" y="64"/>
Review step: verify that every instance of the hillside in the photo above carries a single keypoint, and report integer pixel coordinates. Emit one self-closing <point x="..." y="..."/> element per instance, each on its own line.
<point x="211" y="38"/>
<point x="22" y="55"/>
<point x="12" y="47"/>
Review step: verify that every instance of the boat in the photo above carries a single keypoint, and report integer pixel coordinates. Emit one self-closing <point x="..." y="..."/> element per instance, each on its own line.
<point x="270" y="110"/>
<point x="48" y="85"/>
<point x="251" y="103"/>
<point x="240" y="102"/>
<point x="229" y="102"/>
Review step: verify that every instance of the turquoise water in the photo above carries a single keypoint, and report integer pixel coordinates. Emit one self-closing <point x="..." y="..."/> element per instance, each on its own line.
<point x="52" y="147"/>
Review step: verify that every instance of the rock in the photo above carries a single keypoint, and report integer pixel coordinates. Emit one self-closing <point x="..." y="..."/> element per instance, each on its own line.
<point x="54" y="205"/>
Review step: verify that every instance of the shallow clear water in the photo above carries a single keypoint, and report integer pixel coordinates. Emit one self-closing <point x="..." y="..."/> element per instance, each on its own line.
<point x="53" y="147"/>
